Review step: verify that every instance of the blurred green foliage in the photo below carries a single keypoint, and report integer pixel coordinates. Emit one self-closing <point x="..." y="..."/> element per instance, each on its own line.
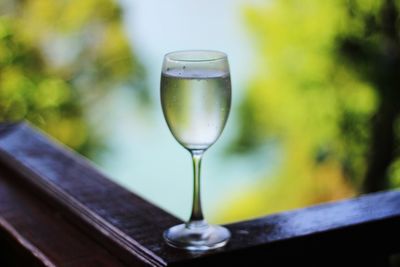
<point x="324" y="70"/>
<point x="57" y="58"/>
<point x="325" y="88"/>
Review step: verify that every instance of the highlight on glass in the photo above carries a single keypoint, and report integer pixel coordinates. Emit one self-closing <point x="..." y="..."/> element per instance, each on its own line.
<point x="196" y="100"/>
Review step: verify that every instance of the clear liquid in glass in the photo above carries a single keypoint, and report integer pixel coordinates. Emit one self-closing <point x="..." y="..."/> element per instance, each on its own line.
<point x="196" y="105"/>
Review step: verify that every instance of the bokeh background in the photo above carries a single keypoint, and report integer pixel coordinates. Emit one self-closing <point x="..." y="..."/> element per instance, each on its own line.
<point x="316" y="95"/>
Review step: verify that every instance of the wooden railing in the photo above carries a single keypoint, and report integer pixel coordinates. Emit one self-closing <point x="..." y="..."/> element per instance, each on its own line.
<point x="56" y="209"/>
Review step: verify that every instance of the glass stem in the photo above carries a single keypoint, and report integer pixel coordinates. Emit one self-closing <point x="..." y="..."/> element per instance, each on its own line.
<point x="196" y="219"/>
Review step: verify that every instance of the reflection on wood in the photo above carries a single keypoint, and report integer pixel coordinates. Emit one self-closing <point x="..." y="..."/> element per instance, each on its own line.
<point x="59" y="204"/>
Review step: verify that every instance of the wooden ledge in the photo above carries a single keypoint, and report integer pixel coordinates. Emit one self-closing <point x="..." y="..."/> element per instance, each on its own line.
<point x="360" y="230"/>
<point x="35" y="233"/>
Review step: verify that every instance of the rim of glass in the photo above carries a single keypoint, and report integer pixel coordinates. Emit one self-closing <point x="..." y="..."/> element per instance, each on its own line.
<point x="207" y="55"/>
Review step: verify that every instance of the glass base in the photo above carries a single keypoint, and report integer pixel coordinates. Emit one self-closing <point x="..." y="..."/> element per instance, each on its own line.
<point x="197" y="236"/>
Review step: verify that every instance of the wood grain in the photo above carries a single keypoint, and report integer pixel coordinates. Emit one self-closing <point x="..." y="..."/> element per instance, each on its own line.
<point x="112" y="214"/>
<point x="363" y="230"/>
<point x="36" y="234"/>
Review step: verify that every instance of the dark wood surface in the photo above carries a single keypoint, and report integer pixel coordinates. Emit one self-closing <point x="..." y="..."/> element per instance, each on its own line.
<point x="120" y="219"/>
<point x="34" y="233"/>
<point x="358" y="231"/>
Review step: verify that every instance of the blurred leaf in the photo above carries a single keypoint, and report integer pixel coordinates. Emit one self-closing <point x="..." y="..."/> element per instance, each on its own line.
<point x="315" y="103"/>
<point x="57" y="58"/>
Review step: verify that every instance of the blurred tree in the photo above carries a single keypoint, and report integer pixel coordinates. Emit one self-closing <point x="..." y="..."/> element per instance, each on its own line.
<point x="326" y="90"/>
<point x="374" y="54"/>
<point x="57" y="58"/>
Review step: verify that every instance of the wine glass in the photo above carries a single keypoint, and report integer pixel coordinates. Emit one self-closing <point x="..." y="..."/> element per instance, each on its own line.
<point x="196" y="99"/>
